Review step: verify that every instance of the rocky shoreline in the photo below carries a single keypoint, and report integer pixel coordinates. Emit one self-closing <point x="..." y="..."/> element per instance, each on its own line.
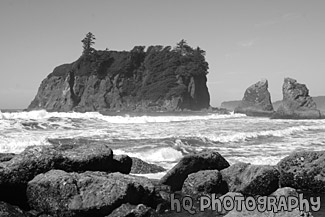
<point x="89" y="180"/>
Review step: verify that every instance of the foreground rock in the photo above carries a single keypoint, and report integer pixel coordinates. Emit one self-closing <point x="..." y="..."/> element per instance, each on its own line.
<point x="7" y="210"/>
<point x="128" y="210"/>
<point x="296" y="103"/>
<point x="141" y="167"/>
<point x="87" y="194"/>
<point x="6" y="156"/>
<point x="256" y="101"/>
<point x="15" y="174"/>
<point x="159" y="78"/>
<point x="303" y="170"/>
<point x="251" y="179"/>
<point x="282" y="192"/>
<point x="210" y="160"/>
<point x="205" y="181"/>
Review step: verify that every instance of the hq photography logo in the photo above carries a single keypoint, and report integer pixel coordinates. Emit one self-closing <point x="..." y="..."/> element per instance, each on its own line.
<point x="240" y="203"/>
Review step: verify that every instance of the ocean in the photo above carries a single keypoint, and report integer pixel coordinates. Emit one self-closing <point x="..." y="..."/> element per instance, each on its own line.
<point x="164" y="138"/>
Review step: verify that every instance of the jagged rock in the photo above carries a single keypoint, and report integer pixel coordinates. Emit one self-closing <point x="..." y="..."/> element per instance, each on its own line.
<point x="63" y="194"/>
<point x="209" y="160"/>
<point x="303" y="170"/>
<point x="6" y="156"/>
<point x="15" y="174"/>
<point x="204" y="181"/>
<point x="256" y="101"/>
<point x="138" y="80"/>
<point x="296" y="103"/>
<point x="141" y="167"/>
<point x="128" y="210"/>
<point x="251" y="179"/>
<point x="7" y="210"/>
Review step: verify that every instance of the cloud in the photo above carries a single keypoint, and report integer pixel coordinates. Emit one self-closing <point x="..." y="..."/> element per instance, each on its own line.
<point x="289" y="16"/>
<point x="246" y="44"/>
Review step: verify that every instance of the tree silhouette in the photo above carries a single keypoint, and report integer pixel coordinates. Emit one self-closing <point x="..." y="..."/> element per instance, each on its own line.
<point x="87" y="42"/>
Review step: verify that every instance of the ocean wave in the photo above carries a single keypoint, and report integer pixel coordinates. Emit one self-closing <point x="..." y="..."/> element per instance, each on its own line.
<point x="42" y="114"/>
<point x="156" y="155"/>
<point x="244" y="136"/>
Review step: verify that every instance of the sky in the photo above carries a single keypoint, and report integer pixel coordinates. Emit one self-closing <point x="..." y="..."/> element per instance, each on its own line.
<point x="245" y="41"/>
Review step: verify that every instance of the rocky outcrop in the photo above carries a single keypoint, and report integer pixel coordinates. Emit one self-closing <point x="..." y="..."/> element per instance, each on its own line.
<point x="16" y="173"/>
<point x="296" y="103"/>
<point x="141" y="167"/>
<point x="256" y="101"/>
<point x="210" y="160"/>
<point x="157" y="79"/>
<point x="63" y="194"/>
<point x="303" y="170"/>
<point x="251" y="179"/>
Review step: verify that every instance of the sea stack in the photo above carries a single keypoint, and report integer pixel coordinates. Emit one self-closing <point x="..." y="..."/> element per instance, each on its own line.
<point x="296" y="103"/>
<point x="256" y="101"/>
<point x="157" y="79"/>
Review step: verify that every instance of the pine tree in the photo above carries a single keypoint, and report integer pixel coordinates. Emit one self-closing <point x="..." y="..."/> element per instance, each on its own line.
<point x="87" y="42"/>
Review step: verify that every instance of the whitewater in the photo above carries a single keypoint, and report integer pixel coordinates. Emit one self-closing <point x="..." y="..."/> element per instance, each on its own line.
<point x="164" y="138"/>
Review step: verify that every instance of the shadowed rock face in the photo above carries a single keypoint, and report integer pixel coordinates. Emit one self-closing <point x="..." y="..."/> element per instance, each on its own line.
<point x="158" y="79"/>
<point x="296" y="103"/>
<point x="256" y="101"/>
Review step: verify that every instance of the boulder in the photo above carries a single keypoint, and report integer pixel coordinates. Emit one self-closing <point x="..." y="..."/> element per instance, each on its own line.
<point x="128" y="210"/>
<point x="251" y="179"/>
<point x="208" y="160"/>
<point x="265" y="213"/>
<point x="7" y="210"/>
<point x="141" y="167"/>
<point x="6" y="156"/>
<point x="61" y="194"/>
<point x="296" y="103"/>
<point x="303" y="170"/>
<point x="256" y="101"/>
<point x="204" y="181"/>
<point x="16" y="173"/>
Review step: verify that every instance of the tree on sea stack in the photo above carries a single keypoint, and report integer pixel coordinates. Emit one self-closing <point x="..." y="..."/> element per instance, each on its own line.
<point x="87" y="42"/>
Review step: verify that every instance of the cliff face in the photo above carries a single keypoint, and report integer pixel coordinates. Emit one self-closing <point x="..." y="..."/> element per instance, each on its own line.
<point x="157" y="79"/>
<point x="296" y="103"/>
<point x="256" y="100"/>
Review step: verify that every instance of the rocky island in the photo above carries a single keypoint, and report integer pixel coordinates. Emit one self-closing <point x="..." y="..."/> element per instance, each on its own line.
<point x="154" y="79"/>
<point x="296" y="103"/>
<point x="256" y="101"/>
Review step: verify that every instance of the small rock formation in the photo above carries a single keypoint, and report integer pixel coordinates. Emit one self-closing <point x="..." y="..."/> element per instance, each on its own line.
<point x="256" y="101"/>
<point x="157" y="79"/>
<point x="251" y="179"/>
<point x="296" y="103"/>
<point x="303" y="170"/>
<point x="204" y="181"/>
<point x="141" y="167"/>
<point x="210" y="160"/>
<point x="63" y="194"/>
